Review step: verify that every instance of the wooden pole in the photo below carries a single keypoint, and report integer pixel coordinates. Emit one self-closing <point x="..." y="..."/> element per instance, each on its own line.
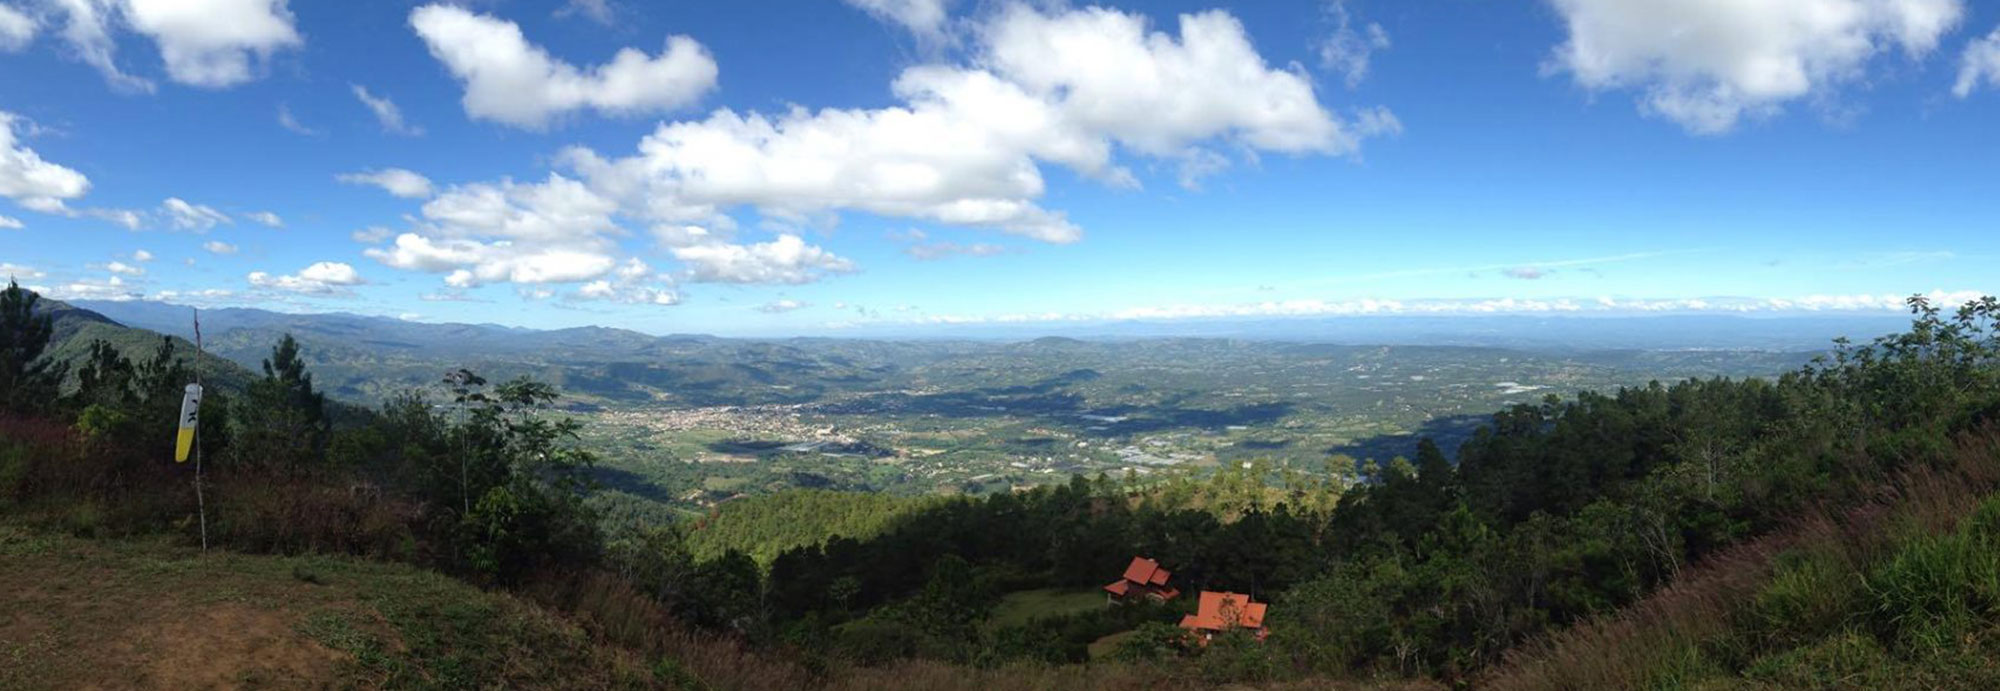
<point x="201" y="502"/>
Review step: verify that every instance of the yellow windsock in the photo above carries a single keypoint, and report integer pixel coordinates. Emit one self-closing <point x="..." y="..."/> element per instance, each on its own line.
<point x="190" y="415"/>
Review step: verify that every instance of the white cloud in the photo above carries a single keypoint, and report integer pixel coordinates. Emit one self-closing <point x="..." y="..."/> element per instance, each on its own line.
<point x="17" y="271"/>
<point x="627" y="293"/>
<point x="195" y="217"/>
<point x="124" y="269"/>
<point x="218" y="247"/>
<point x="142" y="256"/>
<point x="599" y="11"/>
<point x="787" y="259"/>
<point x="1067" y="88"/>
<point x="1348" y="49"/>
<point x="112" y="289"/>
<point x="511" y="81"/>
<point x="289" y="122"/>
<point x="1526" y="273"/>
<point x="266" y="218"/>
<point x="17" y="29"/>
<point x="386" y="112"/>
<point x="372" y="234"/>
<point x="31" y="181"/>
<point x="1979" y="64"/>
<point x="87" y="29"/>
<point x="917" y="244"/>
<point x="780" y="306"/>
<point x="209" y="43"/>
<point x="1706" y="64"/>
<point x="322" y="278"/>
<point x="551" y="232"/>
<point x="11" y="223"/>
<point x="205" y="43"/>
<point x="202" y="297"/>
<point x="924" y="18"/>
<point x="396" y="181"/>
<point x="130" y="219"/>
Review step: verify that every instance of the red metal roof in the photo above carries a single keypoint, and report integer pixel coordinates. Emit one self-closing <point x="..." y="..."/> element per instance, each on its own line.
<point x="1141" y="570"/>
<point x="1219" y="611"/>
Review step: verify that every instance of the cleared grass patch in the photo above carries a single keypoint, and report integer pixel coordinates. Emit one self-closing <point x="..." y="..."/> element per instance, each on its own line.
<point x="152" y="614"/>
<point x="1023" y="606"/>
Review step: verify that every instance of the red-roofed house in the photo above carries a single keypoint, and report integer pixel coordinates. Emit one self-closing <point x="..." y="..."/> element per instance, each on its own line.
<point x="1143" y="578"/>
<point x="1219" y="612"/>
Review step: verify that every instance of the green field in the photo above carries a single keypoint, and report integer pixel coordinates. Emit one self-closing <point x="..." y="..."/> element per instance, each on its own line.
<point x="1021" y="607"/>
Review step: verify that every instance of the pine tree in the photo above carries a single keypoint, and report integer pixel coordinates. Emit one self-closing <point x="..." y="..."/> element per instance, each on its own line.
<point x="283" y="418"/>
<point x="29" y="383"/>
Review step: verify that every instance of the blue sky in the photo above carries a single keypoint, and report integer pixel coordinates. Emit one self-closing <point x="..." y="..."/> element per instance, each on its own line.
<point x="813" y="167"/>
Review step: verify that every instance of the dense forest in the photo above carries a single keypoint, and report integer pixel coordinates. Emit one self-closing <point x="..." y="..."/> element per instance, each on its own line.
<point x="1476" y="565"/>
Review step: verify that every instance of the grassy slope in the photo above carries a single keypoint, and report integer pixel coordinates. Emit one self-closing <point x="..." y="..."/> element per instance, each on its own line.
<point x="147" y="614"/>
<point x="1903" y="594"/>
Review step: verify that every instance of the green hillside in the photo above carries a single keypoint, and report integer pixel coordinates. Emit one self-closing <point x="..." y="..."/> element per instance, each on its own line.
<point x="76" y="328"/>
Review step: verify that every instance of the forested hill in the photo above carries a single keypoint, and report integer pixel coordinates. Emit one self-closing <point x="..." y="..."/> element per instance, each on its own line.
<point x="77" y="328"/>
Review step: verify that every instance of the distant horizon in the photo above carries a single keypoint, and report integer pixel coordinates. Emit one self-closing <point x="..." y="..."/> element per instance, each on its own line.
<point x="1417" y="329"/>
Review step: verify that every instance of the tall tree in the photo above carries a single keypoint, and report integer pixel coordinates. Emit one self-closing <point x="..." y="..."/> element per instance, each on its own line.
<point x="283" y="418"/>
<point x="29" y="383"/>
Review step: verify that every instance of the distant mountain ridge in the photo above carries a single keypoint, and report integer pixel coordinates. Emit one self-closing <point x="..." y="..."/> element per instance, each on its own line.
<point x="362" y="358"/>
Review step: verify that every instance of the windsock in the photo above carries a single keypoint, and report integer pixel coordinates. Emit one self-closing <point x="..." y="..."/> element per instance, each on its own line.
<point x="190" y="414"/>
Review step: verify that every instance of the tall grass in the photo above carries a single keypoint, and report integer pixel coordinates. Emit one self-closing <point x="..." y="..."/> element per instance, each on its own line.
<point x="1910" y="578"/>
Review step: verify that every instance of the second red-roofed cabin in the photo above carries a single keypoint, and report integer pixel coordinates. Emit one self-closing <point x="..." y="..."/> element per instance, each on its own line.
<point x="1220" y="612"/>
<point x="1143" y="579"/>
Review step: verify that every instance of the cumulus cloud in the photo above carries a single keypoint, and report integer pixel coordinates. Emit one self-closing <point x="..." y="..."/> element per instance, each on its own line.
<point x="124" y="269"/>
<point x="632" y="284"/>
<point x="396" y="181"/>
<point x="11" y="223"/>
<point x="30" y="181"/>
<point x="266" y="218"/>
<point x="385" y="112"/>
<point x="142" y="256"/>
<point x="787" y="259"/>
<point x="113" y="289"/>
<point x="322" y="278"/>
<point x="204" y="43"/>
<point x="1706" y="64"/>
<point x="218" y="247"/>
<point x="557" y="231"/>
<point x="17" y="29"/>
<point x="196" y="217"/>
<point x="1068" y="87"/>
<point x="514" y="82"/>
<point x="1980" y="64"/>
<point x="372" y="234"/>
<point x="924" y="18"/>
<point x="210" y="43"/>
<point x="1349" y="49"/>
<point x="781" y="306"/>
